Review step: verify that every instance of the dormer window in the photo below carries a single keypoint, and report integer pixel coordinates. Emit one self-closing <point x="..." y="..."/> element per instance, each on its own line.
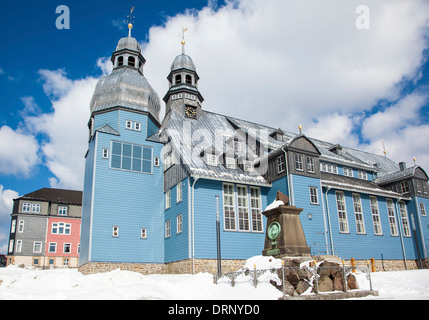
<point x="131" y="61"/>
<point x="211" y="160"/>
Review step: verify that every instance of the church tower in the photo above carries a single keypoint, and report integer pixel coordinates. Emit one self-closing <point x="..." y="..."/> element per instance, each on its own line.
<point x="123" y="186"/>
<point x="183" y="95"/>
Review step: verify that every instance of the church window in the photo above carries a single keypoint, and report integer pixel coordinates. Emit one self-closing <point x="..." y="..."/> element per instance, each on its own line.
<point x="298" y="162"/>
<point x="422" y="209"/>
<point x="392" y="217"/>
<point x="131" y="61"/>
<point x="131" y="157"/>
<point x="229" y="206"/>
<point x="281" y="164"/>
<point x="342" y="213"/>
<point x="255" y="206"/>
<point x="243" y="212"/>
<point x="167" y="228"/>
<point x="230" y="163"/>
<point x="178" y="79"/>
<point x="310" y="164"/>
<point x="404" y="218"/>
<point x="188" y="79"/>
<point x="120" y="61"/>
<point x="248" y="166"/>
<point x="357" y="205"/>
<point x="212" y="160"/>
<point x="375" y="216"/>
<point x="314" y="199"/>
<point x="168" y="199"/>
<point x="179" y="224"/>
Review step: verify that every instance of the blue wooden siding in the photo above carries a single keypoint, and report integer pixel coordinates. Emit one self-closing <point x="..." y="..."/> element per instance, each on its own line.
<point x="234" y="244"/>
<point x="368" y="245"/>
<point x="311" y="217"/>
<point x="128" y="200"/>
<point x="86" y="204"/>
<point x="177" y="245"/>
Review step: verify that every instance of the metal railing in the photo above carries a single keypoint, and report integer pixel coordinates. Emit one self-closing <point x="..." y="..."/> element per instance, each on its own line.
<point x="316" y="271"/>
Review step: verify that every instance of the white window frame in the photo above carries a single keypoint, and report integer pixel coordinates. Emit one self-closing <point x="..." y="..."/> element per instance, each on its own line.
<point x="62" y="210"/>
<point x="404" y="187"/>
<point x="21" y="226"/>
<point x="35" y="207"/>
<point x="310" y="164"/>
<point x="342" y="212"/>
<point x="248" y="166"/>
<point x="376" y="222"/>
<point x="179" y="223"/>
<point x="18" y="246"/>
<point x="26" y="207"/>
<point x="156" y="161"/>
<point x="404" y="218"/>
<point x="231" y="163"/>
<point x="13" y="226"/>
<point x="115" y="231"/>
<point x="137" y="126"/>
<point x="422" y="209"/>
<point x="168" y="228"/>
<point x="299" y="165"/>
<point x="105" y="154"/>
<point x="314" y="195"/>
<point x="179" y="192"/>
<point x="168" y="199"/>
<point x="359" y="217"/>
<point x="281" y="165"/>
<point x="143" y="233"/>
<point x="61" y="228"/>
<point x="392" y="218"/>
<point x="54" y="245"/>
<point x="362" y="175"/>
<point x="229" y="207"/>
<point x="348" y="172"/>
<point x="256" y="209"/>
<point x="211" y="160"/>
<point x="128" y="124"/>
<point x="243" y="208"/>
<point x="37" y="247"/>
<point x="11" y="243"/>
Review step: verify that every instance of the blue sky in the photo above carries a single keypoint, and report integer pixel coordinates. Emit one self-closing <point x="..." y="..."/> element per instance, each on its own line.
<point x="276" y="62"/>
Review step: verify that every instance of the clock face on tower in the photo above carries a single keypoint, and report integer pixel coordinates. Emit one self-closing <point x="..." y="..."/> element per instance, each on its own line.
<point x="191" y="112"/>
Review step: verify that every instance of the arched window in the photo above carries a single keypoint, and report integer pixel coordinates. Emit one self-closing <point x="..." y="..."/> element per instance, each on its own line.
<point x="131" y="61"/>
<point x="178" y="79"/>
<point x="188" y="79"/>
<point x="120" y="61"/>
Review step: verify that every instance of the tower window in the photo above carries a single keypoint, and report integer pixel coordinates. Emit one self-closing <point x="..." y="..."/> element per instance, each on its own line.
<point x="131" y="61"/>
<point x="188" y="79"/>
<point x="178" y="79"/>
<point x="120" y="61"/>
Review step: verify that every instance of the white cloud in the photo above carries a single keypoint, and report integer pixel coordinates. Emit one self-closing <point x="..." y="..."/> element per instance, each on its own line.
<point x="6" y="206"/>
<point x="18" y="152"/>
<point x="65" y="128"/>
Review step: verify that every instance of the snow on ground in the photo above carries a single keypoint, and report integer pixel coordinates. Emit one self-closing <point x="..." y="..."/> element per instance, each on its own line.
<point x="69" y="284"/>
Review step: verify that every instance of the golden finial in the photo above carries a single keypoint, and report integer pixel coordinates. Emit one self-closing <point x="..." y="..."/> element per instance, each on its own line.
<point x="130" y="21"/>
<point x="300" y="129"/>
<point x="414" y="159"/>
<point x="183" y="42"/>
<point x="384" y="148"/>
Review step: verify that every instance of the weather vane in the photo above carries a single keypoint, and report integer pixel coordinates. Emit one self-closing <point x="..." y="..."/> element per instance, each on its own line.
<point x="183" y="39"/>
<point x="130" y="21"/>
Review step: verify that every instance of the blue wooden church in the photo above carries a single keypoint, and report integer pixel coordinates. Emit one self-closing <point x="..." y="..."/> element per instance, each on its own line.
<point x="151" y="185"/>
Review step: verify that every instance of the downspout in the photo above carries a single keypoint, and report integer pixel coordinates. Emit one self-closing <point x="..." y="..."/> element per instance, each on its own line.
<point x="399" y="218"/>
<point x="422" y="239"/>
<point x="325" y="227"/>
<point x="193" y="229"/>
<point x="287" y="176"/>
<point x="329" y="220"/>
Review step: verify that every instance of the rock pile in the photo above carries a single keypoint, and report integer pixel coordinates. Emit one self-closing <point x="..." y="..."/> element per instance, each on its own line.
<point x="298" y="280"/>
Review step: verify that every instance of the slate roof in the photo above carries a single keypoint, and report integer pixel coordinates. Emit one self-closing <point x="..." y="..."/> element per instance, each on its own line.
<point x="215" y="129"/>
<point x="398" y="175"/>
<point x="55" y="195"/>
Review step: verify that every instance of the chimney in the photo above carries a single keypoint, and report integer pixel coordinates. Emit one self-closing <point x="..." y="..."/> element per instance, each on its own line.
<point x="402" y="166"/>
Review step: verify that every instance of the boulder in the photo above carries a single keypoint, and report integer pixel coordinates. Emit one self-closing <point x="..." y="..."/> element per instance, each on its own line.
<point x="302" y="287"/>
<point x="352" y="282"/>
<point x="338" y="281"/>
<point x="325" y="284"/>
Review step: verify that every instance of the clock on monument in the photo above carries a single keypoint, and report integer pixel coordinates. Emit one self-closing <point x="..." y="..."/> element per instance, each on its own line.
<point x="191" y="112"/>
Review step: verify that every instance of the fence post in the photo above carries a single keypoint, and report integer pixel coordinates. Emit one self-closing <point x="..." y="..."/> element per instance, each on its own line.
<point x="255" y="279"/>
<point x="344" y="276"/>
<point x="315" y="278"/>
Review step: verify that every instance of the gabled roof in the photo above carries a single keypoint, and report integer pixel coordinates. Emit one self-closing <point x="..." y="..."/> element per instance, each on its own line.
<point x="55" y="196"/>
<point x="401" y="175"/>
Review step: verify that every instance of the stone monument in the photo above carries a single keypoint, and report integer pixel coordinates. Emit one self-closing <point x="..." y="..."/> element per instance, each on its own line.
<point x="284" y="235"/>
